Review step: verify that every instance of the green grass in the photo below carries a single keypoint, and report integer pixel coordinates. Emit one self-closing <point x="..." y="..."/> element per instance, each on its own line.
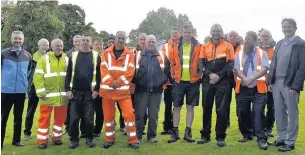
<point x="162" y="147"/>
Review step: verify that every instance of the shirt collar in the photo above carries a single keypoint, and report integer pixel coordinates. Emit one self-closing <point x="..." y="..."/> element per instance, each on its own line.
<point x="289" y="40"/>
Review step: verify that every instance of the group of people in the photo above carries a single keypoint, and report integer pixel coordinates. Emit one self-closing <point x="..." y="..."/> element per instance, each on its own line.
<point x="92" y="79"/>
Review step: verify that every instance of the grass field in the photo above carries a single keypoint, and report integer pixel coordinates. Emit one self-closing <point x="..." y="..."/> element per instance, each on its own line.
<point x="162" y="147"/>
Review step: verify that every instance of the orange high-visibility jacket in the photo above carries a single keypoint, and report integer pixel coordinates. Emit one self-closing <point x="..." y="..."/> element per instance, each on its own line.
<point x="176" y="61"/>
<point x="168" y="48"/>
<point x="119" y="70"/>
<point x="261" y="82"/>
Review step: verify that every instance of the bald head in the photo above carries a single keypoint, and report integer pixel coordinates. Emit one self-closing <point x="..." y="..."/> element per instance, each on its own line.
<point x="265" y="36"/>
<point x="216" y="32"/>
<point x="120" y="39"/>
<point x="151" y="42"/>
<point x="233" y="37"/>
<point x="57" y="46"/>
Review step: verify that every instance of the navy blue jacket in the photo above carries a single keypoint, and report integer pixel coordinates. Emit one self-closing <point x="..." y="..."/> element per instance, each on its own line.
<point x="150" y="77"/>
<point x="15" y="71"/>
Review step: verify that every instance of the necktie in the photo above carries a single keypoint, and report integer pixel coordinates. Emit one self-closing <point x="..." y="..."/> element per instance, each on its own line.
<point x="247" y="63"/>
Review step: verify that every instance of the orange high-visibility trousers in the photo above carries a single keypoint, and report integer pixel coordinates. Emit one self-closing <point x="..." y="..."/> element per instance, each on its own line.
<point x="128" y="115"/>
<point x="60" y="113"/>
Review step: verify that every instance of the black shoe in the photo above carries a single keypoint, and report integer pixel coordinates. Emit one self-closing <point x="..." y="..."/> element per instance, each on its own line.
<point x="221" y="143"/>
<point x="42" y="146"/>
<point x="174" y="136"/>
<point x="203" y="140"/>
<point x="74" y="145"/>
<point x="188" y="135"/>
<point x="278" y="143"/>
<point x="90" y="143"/>
<point x="244" y="139"/>
<point x="107" y="145"/>
<point x="228" y="126"/>
<point x="96" y="135"/>
<point x="286" y="148"/>
<point x="58" y="142"/>
<point x="134" y="145"/>
<point x="19" y="144"/>
<point x="83" y="136"/>
<point x="263" y="145"/>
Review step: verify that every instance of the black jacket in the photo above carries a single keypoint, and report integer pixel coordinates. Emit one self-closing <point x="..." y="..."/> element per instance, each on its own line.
<point x="295" y="74"/>
<point x="83" y="73"/>
<point x="150" y="76"/>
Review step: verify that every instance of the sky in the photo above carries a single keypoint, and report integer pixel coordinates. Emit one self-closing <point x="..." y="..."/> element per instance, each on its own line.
<point x="239" y="15"/>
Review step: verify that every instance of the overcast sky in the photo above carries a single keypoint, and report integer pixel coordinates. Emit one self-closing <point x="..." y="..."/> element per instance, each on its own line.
<point x="239" y="15"/>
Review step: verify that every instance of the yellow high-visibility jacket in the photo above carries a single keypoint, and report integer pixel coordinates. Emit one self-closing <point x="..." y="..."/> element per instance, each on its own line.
<point x="49" y="79"/>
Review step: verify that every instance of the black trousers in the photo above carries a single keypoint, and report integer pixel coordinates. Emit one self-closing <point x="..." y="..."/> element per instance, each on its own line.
<point x="32" y="105"/>
<point x="270" y="117"/>
<point x="67" y="122"/>
<point x="99" y="115"/>
<point x="245" y="98"/>
<point x="7" y="102"/>
<point x="81" y="105"/>
<point x="220" y="93"/>
<point x="168" y="116"/>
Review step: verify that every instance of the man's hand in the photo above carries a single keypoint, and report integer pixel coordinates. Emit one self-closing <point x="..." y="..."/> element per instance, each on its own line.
<point x="293" y="92"/>
<point x="247" y="81"/>
<point x="214" y="78"/>
<point x="270" y="88"/>
<point x="69" y="95"/>
<point x="94" y="94"/>
<point x="43" y="97"/>
<point x="115" y="86"/>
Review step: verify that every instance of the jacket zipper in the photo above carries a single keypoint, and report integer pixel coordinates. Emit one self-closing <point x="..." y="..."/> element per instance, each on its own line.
<point x="16" y="77"/>
<point x="214" y="49"/>
<point x="58" y="79"/>
<point x="148" y="74"/>
<point x="152" y="81"/>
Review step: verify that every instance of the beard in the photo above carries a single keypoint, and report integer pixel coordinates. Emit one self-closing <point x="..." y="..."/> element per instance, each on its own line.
<point x="248" y="48"/>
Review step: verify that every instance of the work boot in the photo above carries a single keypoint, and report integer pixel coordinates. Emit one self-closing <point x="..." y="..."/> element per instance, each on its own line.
<point x="90" y="143"/>
<point x="58" y="142"/>
<point x="107" y="145"/>
<point x="188" y="135"/>
<point x="221" y="143"/>
<point x="203" y="140"/>
<point x="42" y="146"/>
<point x="134" y="145"/>
<point x="174" y="136"/>
<point x="74" y="145"/>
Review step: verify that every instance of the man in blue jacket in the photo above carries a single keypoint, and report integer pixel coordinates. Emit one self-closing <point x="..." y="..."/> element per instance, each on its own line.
<point x="15" y="70"/>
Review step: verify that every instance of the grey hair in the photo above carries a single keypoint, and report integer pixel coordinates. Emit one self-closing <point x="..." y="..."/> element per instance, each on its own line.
<point x="54" y="41"/>
<point x="17" y="32"/>
<point x="218" y="26"/>
<point x="152" y="36"/>
<point x="77" y="37"/>
<point x="253" y="35"/>
<point x="41" y="41"/>
<point x="269" y="33"/>
<point x="233" y="31"/>
<point x="120" y="32"/>
<point x="143" y="34"/>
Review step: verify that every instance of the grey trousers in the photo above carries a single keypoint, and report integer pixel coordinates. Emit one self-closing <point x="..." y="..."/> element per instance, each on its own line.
<point x="147" y="101"/>
<point x="286" y="113"/>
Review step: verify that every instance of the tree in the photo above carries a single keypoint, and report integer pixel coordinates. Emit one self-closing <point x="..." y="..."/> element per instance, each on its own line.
<point x="37" y="19"/>
<point x="159" y="23"/>
<point x="73" y="17"/>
